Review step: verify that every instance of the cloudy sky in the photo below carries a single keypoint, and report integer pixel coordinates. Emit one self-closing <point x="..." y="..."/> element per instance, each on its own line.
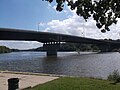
<point x="31" y="14"/>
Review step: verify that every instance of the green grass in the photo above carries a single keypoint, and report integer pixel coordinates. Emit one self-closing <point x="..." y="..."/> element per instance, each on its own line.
<point x="68" y="83"/>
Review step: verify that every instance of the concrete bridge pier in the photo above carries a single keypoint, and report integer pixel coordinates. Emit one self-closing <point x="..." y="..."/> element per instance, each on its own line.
<point x="51" y="48"/>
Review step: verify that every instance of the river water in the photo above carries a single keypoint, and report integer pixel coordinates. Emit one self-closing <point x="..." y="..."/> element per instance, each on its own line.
<point x="86" y="64"/>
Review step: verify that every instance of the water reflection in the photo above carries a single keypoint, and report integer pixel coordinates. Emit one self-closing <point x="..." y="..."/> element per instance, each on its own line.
<point x="50" y="64"/>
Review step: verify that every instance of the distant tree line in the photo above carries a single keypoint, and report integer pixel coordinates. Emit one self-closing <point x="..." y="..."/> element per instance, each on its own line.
<point x="63" y="47"/>
<point x="71" y="47"/>
<point x="78" y="46"/>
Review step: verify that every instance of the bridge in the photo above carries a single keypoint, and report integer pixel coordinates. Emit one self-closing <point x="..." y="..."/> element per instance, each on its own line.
<point x="51" y="41"/>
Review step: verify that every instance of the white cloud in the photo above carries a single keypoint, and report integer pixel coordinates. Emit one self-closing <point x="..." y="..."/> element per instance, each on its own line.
<point x="75" y="25"/>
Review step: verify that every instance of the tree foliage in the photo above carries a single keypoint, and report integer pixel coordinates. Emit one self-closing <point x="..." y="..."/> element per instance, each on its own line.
<point x="104" y="12"/>
<point x="4" y="49"/>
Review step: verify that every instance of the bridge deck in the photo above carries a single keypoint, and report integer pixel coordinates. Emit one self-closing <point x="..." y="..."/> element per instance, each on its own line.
<point x="28" y="35"/>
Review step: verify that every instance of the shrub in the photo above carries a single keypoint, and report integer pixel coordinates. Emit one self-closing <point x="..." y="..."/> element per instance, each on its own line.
<point x="114" y="76"/>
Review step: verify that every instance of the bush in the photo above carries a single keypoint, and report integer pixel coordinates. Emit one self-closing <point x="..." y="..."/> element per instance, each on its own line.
<point x="114" y="76"/>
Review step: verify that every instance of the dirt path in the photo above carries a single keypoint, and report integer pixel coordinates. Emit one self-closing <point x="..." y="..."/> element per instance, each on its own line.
<point x="24" y="80"/>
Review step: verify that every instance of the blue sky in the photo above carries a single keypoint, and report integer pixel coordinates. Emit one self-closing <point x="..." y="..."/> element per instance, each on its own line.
<point x="27" y="14"/>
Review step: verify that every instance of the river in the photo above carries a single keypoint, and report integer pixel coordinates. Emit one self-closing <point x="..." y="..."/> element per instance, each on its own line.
<point x="86" y="64"/>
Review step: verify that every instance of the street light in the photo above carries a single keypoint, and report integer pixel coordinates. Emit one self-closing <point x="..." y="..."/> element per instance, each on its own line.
<point x="83" y="32"/>
<point x="38" y="27"/>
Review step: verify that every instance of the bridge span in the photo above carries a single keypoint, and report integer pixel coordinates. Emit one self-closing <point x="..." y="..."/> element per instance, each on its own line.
<point x="51" y="41"/>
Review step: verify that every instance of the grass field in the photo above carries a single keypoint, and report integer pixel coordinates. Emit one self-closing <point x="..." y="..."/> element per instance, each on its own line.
<point x="70" y="83"/>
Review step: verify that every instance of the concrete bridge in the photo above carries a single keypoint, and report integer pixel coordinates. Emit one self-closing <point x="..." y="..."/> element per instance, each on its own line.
<point x="51" y="41"/>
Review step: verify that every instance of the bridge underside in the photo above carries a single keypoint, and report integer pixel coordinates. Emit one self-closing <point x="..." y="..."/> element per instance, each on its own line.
<point x="47" y="38"/>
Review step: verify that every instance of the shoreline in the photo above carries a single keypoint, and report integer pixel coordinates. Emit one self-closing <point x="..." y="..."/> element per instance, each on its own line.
<point x="32" y="73"/>
<point x="51" y="75"/>
<point x="28" y="80"/>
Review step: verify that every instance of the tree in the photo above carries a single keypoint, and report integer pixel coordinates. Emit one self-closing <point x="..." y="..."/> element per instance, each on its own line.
<point x="4" y="49"/>
<point x="104" y="12"/>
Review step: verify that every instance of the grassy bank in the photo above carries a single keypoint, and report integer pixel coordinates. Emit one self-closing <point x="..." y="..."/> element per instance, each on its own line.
<point x="68" y="83"/>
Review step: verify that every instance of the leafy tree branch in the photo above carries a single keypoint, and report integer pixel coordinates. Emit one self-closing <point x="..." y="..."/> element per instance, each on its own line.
<point x="104" y="12"/>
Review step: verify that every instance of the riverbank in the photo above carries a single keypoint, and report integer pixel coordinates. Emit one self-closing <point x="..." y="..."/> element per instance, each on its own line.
<point x="36" y="81"/>
<point x="75" y="83"/>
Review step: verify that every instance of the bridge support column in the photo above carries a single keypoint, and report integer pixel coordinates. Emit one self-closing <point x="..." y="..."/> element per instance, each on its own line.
<point x="51" y="48"/>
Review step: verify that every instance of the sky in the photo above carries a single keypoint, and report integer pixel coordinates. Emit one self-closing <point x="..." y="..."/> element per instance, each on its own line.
<point x="34" y="14"/>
